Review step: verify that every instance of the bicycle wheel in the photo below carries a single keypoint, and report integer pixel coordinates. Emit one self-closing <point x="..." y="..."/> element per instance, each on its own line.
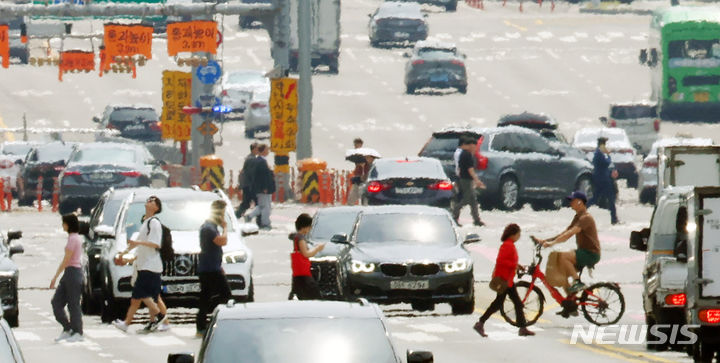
<point x="603" y="303"/>
<point x="533" y="304"/>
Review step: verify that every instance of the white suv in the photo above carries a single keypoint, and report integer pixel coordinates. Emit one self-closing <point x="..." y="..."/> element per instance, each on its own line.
<point x="639" y="120"/>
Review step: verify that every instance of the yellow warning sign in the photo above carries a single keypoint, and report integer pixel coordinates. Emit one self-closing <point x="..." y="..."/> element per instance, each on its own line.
<point x="175" y="95"/>
<point x="283" y="115"/>
<point x="207" y="128"/>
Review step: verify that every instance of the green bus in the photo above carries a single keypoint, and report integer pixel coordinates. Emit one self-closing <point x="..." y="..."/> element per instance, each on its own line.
<point x="684" y="58"/>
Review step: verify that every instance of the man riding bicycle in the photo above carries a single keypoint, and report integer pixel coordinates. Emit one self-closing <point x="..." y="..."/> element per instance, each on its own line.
<point x="586" y="255"/>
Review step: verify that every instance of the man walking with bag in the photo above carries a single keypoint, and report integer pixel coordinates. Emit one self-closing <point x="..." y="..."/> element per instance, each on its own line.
<point x="264" y="186"/>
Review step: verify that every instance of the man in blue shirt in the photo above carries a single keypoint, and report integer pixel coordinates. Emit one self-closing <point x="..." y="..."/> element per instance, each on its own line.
<point x="602" y="179"/>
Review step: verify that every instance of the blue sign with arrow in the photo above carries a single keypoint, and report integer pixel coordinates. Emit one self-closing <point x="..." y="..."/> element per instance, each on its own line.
<point x="210" y="73"/>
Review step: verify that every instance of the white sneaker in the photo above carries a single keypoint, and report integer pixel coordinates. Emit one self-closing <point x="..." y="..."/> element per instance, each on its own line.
<point x="64" y="335"/>
<point x="120" y="324"/>
<point x="76" y="337"/>
<point x="163" y="327"/>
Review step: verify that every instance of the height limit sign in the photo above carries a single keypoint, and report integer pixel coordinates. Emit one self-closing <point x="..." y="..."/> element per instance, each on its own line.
<point x="283" y="113"/>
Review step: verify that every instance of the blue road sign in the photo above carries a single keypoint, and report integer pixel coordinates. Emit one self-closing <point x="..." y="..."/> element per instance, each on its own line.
<point x="210" y="73"/>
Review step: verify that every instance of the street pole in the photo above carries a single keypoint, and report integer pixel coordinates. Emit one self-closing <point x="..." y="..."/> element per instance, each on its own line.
<point x="304" y="142"/>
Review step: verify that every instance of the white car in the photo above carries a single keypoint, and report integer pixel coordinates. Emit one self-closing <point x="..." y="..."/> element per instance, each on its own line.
<point x="237" y="88"/>
<point x="621" y="150"/>
<point x="647" y="185"/>
<point x="639" y="120"/>
<point x="257" y="115"/>
<point x="12" y="155"/>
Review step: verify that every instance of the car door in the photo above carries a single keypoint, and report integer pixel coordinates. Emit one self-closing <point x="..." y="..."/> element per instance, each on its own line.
<point x="533" y="159"/>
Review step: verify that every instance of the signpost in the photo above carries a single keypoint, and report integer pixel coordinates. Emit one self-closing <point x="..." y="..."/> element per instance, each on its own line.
<point x="176" y="124"/>
<point x="283" y="115"/>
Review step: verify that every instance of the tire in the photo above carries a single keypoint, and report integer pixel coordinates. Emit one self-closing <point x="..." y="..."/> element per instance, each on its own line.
<point x="462" y="89"/>
<point x="547" y="204"/>
<point x="249" y="134"/>
<point x="374" y="43"/>
<point x="66" y="207"/>
<point x="464" y="306"/>
<point x="509" y="193"/>
<point x="24" y="57"/>
<point x="244" y="22"/>
<point x="604" y="305"/>
<point x="649" y="321"/>
<point x="451" y="6"/>
<point x="293" y="65"/>
<point x="25" y="202"/>
<point x="110" y="308"/>
<point x="646" y="196"/>
<point x="632" y="181"/>
<point x="410" y="89"/>
<point x="704" y="352"/>
<point x="12" y="317"/>
<point x="534" y="302"/>
<point x="423" y="305"/>
<point x="89" y="305"/>
<point x="584" y="184"/>
<point x="334" y="66"/>
<point x="251" y="293"/>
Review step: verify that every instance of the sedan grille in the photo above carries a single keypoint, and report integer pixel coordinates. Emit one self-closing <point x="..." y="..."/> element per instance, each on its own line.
<point x="325" y="273"/>
<point x="393" y="269"/>
<point x="181" y="265"/>
<point x="425" y="269"/>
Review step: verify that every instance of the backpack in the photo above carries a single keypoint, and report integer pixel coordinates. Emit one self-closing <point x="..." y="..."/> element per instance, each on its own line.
<point x="167" y="253"/>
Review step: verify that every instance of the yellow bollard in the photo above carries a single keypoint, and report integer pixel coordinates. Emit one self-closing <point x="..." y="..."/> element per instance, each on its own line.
<point x="309" y="169"/>
<point x="212" y="173"/>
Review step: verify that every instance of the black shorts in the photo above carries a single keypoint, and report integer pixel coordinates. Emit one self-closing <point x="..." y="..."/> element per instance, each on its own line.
<point x="147" y="284"/>
<point x="305" y="288"/>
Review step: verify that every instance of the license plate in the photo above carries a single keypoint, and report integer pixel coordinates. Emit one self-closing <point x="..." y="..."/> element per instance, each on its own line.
<point x="402" y="35"/>
<point x="702" y="96"/>
<point x="181" y="288"/>
<point x="134" y="127"/>
<point x="410" y="285"/>
<point x="101" y="176"/>
<point x="439" y="78"/>
<point x="408" y="190"/>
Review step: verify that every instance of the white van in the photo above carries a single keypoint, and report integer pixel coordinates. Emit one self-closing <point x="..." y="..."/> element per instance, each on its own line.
<point x="639" y="120"/>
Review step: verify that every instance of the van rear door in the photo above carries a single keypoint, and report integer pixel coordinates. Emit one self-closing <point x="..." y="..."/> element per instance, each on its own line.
<point x="709" y="242"/>
<point x="689" y="166"/>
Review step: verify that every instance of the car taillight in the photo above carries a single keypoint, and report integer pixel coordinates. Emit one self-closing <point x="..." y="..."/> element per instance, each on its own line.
<point x="656" y="125"/>
<point x="156" y="126"/>
<point x="69" y="173"/>
<point x="6" y="164"/>
<point x="457" y="63"/>
<point x="130" y="174"/>
<point x="675" y="299"/>
<point x="418" y="62"/>
<point x="625" y="151"/>
<point x="711" y="316"/>
<point x="111" y="127"/>
<point x="224" y="93"/>
<point x="376" y="187"/>
<point x="650" y="164"/>
<point x="441" y="185"/>
<point x="482" y="161"/>
<point x="256" y="105"/>
<point x="613" y="123"/>
<point x="59" y="168"/>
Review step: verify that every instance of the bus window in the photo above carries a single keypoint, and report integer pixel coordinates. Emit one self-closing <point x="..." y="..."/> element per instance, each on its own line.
<point x="693" y="52"/>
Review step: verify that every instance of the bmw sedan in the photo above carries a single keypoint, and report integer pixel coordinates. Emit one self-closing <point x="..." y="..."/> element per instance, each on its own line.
<point x="435" y="65"/>
<point x="46" y="161"/>
<point x="400" y="254"/>
<point x="415" y="180"/>
<point x="94" y="167"/>
<point x="397" y="23"/>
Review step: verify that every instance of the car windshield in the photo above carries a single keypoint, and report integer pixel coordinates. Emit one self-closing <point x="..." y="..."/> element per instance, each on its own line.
<point x="132" y="114"/>
<point x="53" y="152"/>
<point x="103" y="155"/>
<point x="299" y="340"/>
<point x="327" y="225"/>
<point x="701" y="53"/>
<point x="635" y="111"/>
<point x="416" y="228"/>
<point x="246" y="78"/>
<point x="16" y="149"/>
<point x="437" y="52"/>
<point x="439" y="145"/>
<point x="178" y="215"/>
<point x="400" y="11"/>
<point x="416" y="169"/>
<point x="591" y="137"/>
<point x="110" y="211"/>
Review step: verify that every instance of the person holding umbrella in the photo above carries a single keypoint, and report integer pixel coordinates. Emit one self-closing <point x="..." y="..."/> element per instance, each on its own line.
<point x="363" y="159"/>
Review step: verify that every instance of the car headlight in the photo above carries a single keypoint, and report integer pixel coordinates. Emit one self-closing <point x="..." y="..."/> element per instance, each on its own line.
<point x="459" y="265"/>
<point x="360" y="266"/>
<point x="235" y="257"/>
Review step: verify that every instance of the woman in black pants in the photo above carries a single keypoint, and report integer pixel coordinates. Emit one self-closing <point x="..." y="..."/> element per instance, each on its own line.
<point x="505" y="268"/>
<point x="70" y="286"/>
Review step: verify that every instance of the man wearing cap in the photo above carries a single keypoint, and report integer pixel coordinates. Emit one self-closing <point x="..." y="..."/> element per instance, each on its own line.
<point x="602" y="178"/>
<point x="587" y="253"/>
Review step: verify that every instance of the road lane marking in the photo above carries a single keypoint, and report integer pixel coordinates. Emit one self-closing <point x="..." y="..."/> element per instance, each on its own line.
<point x="161" y="341"/>
<point x="518" y="27"/>
<point x="639" y="354"/>
<point x="26" y="336"/>
<point x="598" y="350"/>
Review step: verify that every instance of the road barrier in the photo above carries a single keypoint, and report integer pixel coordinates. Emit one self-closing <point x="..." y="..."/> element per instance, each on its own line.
<point x="310" y="169"/>
<point x="2" y="195"/>
<point x="38" y="193"/>
<point x="212" y="173"/>
<point x="55" y="194"/>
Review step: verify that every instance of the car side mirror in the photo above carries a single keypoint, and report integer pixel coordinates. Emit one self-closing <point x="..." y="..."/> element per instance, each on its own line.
<point x="96" y="119"/>
<point x="12" y="235"/>
<point x="471" y="238"/>
<point x="339" y="238"/>
<point x="603" y="119"/>
<point x="104" y="232"/>
<point x="638" y="239"/>
<point x="419" y="357"/>
<point x="180" y="358"/>
<point x="15" y="249"/>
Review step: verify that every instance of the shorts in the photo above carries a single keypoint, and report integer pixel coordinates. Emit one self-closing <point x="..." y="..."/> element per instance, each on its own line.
<point x="585" y="258"/>
<point x="147" y="284"/>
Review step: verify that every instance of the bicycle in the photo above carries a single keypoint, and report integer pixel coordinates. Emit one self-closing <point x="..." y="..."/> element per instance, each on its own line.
<point x="597" y="301"/>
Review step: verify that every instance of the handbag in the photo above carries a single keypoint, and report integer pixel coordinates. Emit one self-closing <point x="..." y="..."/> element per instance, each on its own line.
<point x="498" y="284"/>
<point x="300" y="264"/>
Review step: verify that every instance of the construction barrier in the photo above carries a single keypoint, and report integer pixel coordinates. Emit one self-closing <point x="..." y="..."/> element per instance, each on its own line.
<point x="309" y="169"/>
<point x="38" y="192"/>
<point x="212" y="173"/>
<point x="2" y="195"/>
<point x="8" y="194"/>
<point x="55" y="194"/>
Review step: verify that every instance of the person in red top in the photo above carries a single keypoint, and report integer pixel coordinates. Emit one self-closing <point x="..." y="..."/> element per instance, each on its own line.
<point x="304" y="285"/>
<point x="505" y="267"/>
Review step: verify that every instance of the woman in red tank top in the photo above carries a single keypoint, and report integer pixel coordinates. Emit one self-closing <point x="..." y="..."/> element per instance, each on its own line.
<point x="304" y="285"/>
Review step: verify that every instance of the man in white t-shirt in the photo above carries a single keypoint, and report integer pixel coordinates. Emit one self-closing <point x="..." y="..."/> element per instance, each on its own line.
<point x="148" y="266"/>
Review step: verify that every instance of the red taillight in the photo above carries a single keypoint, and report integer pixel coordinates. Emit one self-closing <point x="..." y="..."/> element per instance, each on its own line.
<point x="656" y="125"/>
<point x="442" y="185"/>
<point x="6" y="164"/>
<point x="626" y="151"/>
<point x="224" y="92"/>
<point x="613" y="123"/>
<point x="711" y="316"/>
<point x="650" y="164"/>
<point x="376" y="187"/>
<point x="675" y="299"/>
<point x="256" y="105"/>
<point x="457" y="63"/>
<point x="156" y="126"/>
<point x="130" y="174"/>
<point x="59" y="168"/>
<point x="418" y="62"/>
<point x="482" y="161"/>
<point x="69" y="173"/>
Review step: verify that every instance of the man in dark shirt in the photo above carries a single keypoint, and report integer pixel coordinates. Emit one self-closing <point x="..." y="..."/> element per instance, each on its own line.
<point x="263" y="186"/>
<point x="603" y="179"/>
<point x="212" y="278"/>
<point x="468" y="181"/>
<point x="246" y="180"/>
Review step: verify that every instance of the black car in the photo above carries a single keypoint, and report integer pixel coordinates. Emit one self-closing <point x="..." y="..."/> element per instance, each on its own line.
<point x="9" y="349"/>
<point x="298" y="332"/>
<point x="135" y="122"/>
<point x="94" y="167"/>
<point x="449" y="5"/>
<point x="9" y="278"/>
<point x="397" y="23"/>
<point x="46" y="161"/>
<point x="436" y="65"/>
<point x="404" y="254"/>
<point x="416" y="180"/>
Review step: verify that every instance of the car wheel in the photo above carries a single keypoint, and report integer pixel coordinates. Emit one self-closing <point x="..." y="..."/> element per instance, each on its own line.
<point x="12" y="317"/>
<point x="644" y="196"/>
<point x="462" y="89"/>
<point x="334" y="67"/>
<point x="632" y="181"/>
<point x="25" y="201"/>
<point x="374" y="43"/>
<point x="249" y="134"/>
<point x="111" y="308"/>
<point x="509" y="193"/>
<point x="410" y="89"/>
<point x="464" y="306"/>
<point x="293" y="64"/>
<point x="584" y="185"/>
<point x="547" y="204"/>
<point x="423" y="305"/>
<point x="244" y="22"/>
<point x="251" y="293"/>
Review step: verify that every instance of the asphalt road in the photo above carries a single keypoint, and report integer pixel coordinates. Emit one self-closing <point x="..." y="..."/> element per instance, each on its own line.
<point x="564" y="63"/>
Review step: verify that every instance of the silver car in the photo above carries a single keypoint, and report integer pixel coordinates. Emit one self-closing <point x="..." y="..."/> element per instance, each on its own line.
<point x="622" y="152"/>
<point x="437" y="65"/>
<point x="639" y="120"/>
<point x="237" y="88"/>
<point x="257" y="114"/>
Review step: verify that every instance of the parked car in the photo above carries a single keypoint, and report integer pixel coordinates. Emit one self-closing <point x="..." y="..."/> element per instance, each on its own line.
<point x="257" y="116"/>
<point x="137" y="122"/>
<point x="94" y="167"/>
<point x="546" y="126"/>
<point x="328" y="222"/>
<point x="9" y="278"/>
<point x="12" y="156"/>
<point x="184" y="211"/>
<point x="622" y="152"/>
<point x="397" y="23"/>
<point x="437" y="65"/>
<point x="416" y="180"/>
<point x="647" y="183"/>
<point x="237" y="88"/>
<point x="298" y="332"/>
<point x="639" y="120"/>
<point x="46" y="161"/>
<point x="9" y="348"/>
<point x="407" y="254"/>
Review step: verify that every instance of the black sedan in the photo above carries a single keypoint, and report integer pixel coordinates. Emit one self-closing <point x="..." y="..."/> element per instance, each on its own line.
<point x="415" y="180"/>
<point x="46" y="161"/>
<point x="133" y="121"/>
<point x="9" y="278"/>
<point x="397" y="23"/>
<point x="94" y="167"/>
<point x="435" y="65"/>
<point x="399" y="254"/>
